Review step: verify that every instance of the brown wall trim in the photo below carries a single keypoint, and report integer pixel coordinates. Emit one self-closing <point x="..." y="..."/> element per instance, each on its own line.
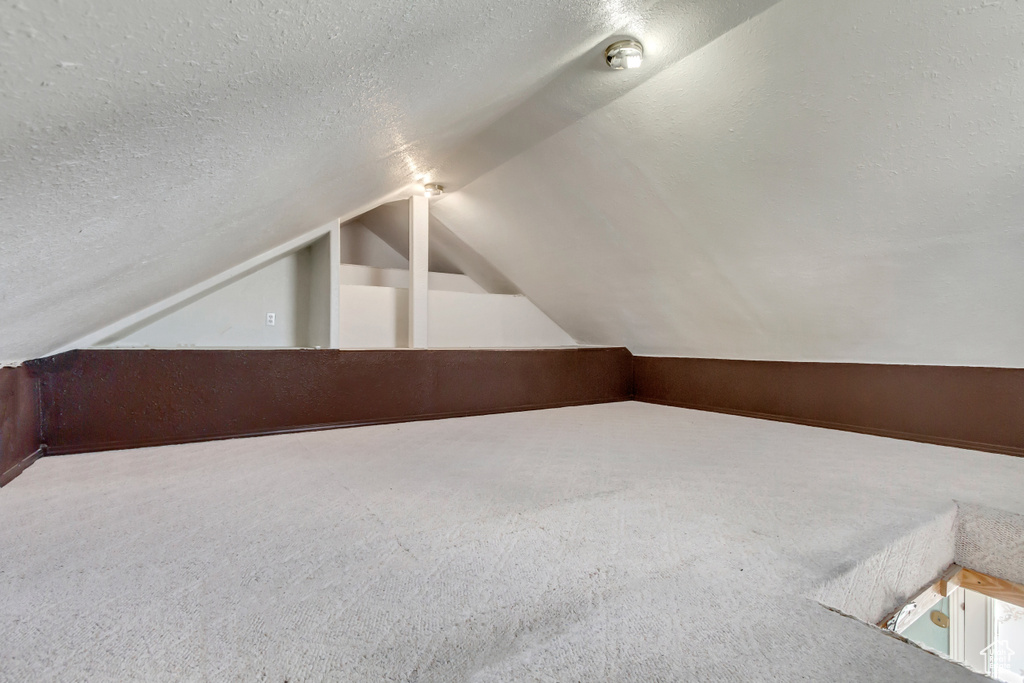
<point x="20" y="430"/>
<point x="967" y="407"/>
<point x="107" y="399"/>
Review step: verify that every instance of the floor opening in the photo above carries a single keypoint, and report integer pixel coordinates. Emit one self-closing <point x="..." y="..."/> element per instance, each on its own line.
<point x="971" y="618"/>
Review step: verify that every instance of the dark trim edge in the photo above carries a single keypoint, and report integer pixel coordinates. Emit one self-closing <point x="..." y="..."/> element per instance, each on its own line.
<point x="887" y="433"/>
<point x="151" y="443"/>
<point x="19" y="467"/>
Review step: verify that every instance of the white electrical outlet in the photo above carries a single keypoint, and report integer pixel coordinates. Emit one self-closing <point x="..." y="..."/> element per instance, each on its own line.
<point x="271" y="319"/>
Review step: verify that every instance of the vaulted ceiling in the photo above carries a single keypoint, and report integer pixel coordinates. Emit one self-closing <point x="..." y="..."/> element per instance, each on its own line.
<point x="800" y="181"/>
<point x="826" y="182"/>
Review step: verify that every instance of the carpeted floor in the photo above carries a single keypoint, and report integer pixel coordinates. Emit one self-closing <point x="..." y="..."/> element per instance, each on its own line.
<point x="620" y="542"/>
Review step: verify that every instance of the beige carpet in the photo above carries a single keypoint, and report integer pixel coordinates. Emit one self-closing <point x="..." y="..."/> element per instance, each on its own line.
<point x="620" y="542"/>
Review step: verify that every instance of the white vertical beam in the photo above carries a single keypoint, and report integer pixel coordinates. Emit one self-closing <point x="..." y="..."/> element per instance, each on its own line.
<point x="335" y="298"/>
<point x="419" y="240"/>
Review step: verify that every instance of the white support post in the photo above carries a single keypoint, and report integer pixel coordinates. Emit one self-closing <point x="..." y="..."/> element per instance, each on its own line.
<point x="419" y="240"/>
<point x="335" y="298"/>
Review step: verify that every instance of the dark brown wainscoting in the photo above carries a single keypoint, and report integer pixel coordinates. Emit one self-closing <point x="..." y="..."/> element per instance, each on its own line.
<point x="106" y="399"/>
<point x="20" y="433"/>
<point x="978" y="408"/>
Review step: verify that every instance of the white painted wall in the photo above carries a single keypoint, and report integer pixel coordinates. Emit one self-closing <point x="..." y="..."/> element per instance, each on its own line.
<point x="361" y="247"/>
<point x="460" y="320"/>
<point x="139" y="319"/>
<point x="234" y="316"/>
<point x="377" y="317"/>
<point x="447" y="252"/>
<point x="391" y="277"/>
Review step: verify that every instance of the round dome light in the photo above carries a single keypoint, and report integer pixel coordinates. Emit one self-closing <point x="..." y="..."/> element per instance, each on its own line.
<point x="624" y="54"/>
<point x="433" y="189"/>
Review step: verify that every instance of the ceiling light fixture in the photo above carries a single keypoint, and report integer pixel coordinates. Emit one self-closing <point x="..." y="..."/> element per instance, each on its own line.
<point x="624" y="54"/>
<point x="433" y="189"/>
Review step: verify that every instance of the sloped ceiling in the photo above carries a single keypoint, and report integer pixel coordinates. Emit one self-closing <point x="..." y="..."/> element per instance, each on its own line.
<point x="826" y="182"/>
<point x="147" y="146"/>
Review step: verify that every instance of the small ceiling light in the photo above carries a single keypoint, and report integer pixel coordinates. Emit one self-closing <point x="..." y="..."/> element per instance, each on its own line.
<point x="624" y="54"/>
<point x="433" y="189"/>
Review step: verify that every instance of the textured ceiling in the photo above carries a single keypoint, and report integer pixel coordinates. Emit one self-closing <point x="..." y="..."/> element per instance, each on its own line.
<point x="146" y="147"/>
<point x="826" y="182"/>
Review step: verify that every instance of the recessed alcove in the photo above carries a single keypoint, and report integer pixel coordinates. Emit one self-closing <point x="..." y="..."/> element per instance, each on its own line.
<point x="470" y="303"/>
<point x="281" y="300"/>
<point x="344" y="286"/>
